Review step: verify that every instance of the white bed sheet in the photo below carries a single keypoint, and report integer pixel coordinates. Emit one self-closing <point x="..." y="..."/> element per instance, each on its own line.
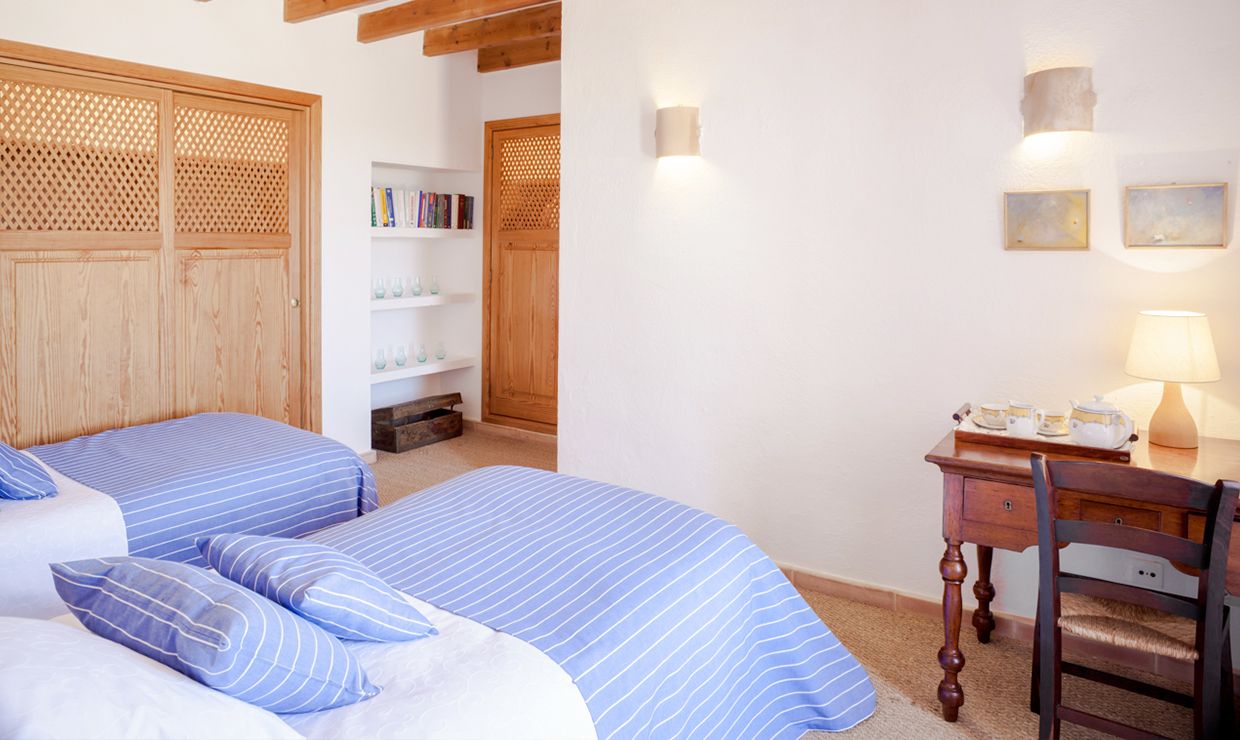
<point x="469" y="681"/>
<point x="78" y="522"/>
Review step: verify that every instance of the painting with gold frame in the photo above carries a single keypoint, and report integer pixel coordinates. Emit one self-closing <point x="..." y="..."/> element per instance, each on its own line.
<point x="1176" y="216"/>
<point x="1046" y="219"/>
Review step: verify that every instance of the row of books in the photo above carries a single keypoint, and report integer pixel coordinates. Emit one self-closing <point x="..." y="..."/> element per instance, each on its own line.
<point x="397" y="208"/>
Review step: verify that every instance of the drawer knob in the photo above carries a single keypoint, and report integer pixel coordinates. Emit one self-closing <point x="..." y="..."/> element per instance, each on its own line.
<point x="1007" y="505"/>
<point x="1119" y="520"/>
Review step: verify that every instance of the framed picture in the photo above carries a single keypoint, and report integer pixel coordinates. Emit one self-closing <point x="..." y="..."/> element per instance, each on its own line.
<point x="1176" y="216"/>
<point x="1046" y="219"/>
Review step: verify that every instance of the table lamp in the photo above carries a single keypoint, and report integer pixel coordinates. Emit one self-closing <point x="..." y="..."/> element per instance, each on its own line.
<point x="1174" y="347"/>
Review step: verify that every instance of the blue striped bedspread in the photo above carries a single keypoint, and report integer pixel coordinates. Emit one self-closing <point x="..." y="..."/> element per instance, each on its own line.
<point x="216" y="473"/>
<point x="669" y="620"/>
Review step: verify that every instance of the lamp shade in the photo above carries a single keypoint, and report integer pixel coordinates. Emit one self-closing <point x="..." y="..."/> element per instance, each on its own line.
<point x="1060" y="99"/>
<point x="1173" y="346"/>
<point x="677" y="132"/>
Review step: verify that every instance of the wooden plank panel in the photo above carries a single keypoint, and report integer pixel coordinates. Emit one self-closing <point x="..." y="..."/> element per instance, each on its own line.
<point x="234" y="333"/>
<point x="81" y="343"/>
<point x="201" y="240"/>
<point x="25" y="241"/>
<point x="296" y="11"/>
<point x="523" y="382"/>
<point x="419" y="15"/>
<point x="498" y="30"/>
<point x="521" y="54"/>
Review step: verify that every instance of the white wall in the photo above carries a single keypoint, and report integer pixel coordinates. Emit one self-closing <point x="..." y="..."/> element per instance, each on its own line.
<point x="381" y="102"/>
<point x="779" y="331"/>
<point x="521" y="92"/>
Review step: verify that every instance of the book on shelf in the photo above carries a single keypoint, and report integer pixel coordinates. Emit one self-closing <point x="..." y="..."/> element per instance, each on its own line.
<point x="399" y="208"/>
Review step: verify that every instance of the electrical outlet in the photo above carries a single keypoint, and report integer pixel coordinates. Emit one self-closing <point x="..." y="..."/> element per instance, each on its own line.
<point x="1145" y="573"/>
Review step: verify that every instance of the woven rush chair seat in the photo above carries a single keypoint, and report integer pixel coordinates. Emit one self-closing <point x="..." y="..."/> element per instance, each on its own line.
<point x="1128" y="625"/>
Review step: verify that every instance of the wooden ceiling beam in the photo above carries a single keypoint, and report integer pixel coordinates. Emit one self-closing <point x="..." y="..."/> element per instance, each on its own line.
<point x="519" y="54"/>
<point x="419" y="15"/>
<point x="296" y="11"/>
<point x="498" y="30"/>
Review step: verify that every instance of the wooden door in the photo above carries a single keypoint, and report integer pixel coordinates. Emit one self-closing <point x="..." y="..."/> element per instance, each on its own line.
<point x="236" y="188"/>
<point x="82" y="328"/>
<point x="157" y="239"/>
<point x="520" y="353"/>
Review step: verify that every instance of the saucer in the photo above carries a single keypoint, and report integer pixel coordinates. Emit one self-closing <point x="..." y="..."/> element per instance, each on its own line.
<point x="1045" y="433"/>
<point x="995" y="428"/>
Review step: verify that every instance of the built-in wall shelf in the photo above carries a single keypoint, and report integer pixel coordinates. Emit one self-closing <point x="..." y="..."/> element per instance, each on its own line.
<point x="418" y="369"/>
<point x="450" y="259"/>
<point x="393" y="304"/>
<point x="386" y="232"/>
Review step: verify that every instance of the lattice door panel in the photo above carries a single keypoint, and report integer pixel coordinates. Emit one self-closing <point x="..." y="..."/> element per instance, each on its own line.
<point x="77" y="155"/>
<point x="231" y="170"/>
<point x="529" y="193"/>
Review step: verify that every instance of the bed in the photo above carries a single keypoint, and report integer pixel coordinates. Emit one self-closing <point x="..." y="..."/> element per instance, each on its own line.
<point x="568" y="608"/>
<point x="150" y="490"/>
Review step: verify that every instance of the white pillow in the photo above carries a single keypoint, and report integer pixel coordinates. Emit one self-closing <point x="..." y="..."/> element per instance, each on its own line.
<point x="58" y="681"/>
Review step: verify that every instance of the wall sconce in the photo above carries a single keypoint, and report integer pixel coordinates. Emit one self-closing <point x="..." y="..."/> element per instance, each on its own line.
<point x="678" y="132"/>
<point x="1060" y="99"/>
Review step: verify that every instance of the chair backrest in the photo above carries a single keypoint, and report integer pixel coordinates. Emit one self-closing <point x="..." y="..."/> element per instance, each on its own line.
<point x="1217" y="502"/>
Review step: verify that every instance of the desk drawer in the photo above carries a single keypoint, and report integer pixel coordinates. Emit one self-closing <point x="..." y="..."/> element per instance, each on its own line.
<point x="1000" y="503"/>
<point x="1195" y="524"/>
<point x="1096" y="511"/>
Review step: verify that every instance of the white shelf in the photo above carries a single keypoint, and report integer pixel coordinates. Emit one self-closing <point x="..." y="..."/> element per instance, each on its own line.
<point x="393" y="304"/>
<point x="385" y="232"/>
<point x="417" y="369"/>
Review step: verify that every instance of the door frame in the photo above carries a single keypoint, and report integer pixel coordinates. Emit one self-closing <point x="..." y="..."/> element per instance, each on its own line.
<point x="308" y="109"/>
<point x="507" y="124"/>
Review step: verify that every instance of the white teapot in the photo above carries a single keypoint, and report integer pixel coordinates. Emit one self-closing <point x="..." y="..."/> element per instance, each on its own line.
<point x="1099" y="423"/>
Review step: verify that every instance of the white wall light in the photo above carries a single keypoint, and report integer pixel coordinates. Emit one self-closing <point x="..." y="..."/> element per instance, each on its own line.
<point x="678" y="132"/>
<point x="1060" y="99"/>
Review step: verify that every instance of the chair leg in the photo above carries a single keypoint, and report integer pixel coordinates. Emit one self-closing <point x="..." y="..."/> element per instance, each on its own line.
<point x="1050" y="682"/>
<point x="1228" y="704"/>
<point x="1035" y="675"/>
<point x="1208" y="679"/>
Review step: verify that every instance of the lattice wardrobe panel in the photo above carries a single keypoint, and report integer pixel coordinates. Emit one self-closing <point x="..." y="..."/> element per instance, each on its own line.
<point x="231" y="172"/>
<point x="529" y="195"/>
<point x="77" y="160"/>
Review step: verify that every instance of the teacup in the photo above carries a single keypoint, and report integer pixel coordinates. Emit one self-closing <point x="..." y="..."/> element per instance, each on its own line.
<point x="1022" y="419"/>
<point x="992" y="415"/>
<point x="1053" y="423"/>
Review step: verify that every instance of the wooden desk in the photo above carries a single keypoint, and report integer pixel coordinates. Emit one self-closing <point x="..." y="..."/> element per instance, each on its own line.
<point x="988" y="500"/>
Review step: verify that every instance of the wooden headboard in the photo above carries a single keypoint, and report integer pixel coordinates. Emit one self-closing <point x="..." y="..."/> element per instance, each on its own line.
<point x="158" y="246"/>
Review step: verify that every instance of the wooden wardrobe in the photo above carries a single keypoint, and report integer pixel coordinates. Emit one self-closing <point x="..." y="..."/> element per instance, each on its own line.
<point x="158" y="247"/>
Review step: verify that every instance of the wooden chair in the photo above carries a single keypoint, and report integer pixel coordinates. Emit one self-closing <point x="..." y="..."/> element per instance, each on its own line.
<point x="1176" y="626"/>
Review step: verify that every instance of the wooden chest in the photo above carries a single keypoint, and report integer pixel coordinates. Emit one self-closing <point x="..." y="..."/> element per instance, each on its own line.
<point x="425" y="421"/>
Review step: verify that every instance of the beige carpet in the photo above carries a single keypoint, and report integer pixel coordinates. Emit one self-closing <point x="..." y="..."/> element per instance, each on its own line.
<point x="481" y="445"/>
<point x="898" y="649"/>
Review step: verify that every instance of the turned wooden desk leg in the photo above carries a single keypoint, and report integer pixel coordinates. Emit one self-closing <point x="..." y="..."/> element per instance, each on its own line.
<point x="984" y="590"/>
<point x="953" y="570"/>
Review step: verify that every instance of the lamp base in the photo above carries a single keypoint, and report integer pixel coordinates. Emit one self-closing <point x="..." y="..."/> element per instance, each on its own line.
<point x="1172" y="425"/>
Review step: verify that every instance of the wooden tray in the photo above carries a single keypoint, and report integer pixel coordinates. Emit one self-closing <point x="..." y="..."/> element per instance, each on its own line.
<point x="967" y="431"/>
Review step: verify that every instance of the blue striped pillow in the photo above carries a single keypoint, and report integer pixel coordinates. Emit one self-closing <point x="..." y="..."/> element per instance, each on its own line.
<point x="319" y="583"/>
<point x="22" y="478"/>
<point x="213" y="631"/>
